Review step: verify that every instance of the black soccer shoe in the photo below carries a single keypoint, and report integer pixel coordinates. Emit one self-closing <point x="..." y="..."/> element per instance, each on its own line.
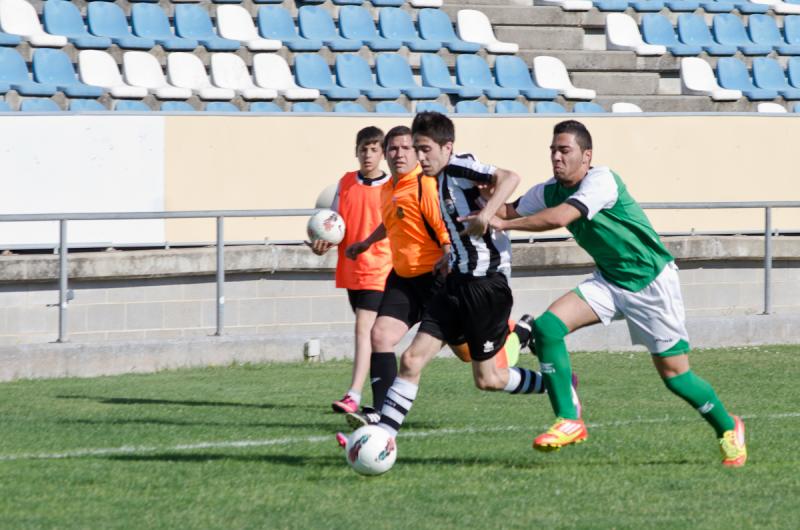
<point x="524" y="330"/>
<point x="367" y="416"/>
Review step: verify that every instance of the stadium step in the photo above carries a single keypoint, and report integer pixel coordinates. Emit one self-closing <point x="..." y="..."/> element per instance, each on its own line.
<point x="623" y="83"/>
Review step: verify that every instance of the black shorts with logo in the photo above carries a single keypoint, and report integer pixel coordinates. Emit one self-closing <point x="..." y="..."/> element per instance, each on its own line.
<point x="471" y="309"/>
<point x="406" y="298"/>
<point x="364" y="299"/>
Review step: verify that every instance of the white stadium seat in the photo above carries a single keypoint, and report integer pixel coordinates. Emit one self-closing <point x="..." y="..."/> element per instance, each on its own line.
<point x="272" y="71"/>
<point x="567" y="5"/>
<point x="550" y="72"/>
<point x="142" y="69"/>
<point x="99" y="68"/>
<point x="697" y="78"/>
<point x="235" y="23"/>
<point x="622" y="33"/>
<point x="623" y="106"/>
<point x="772" y="108"/>
<point x="474" y="26"/>
<point x="426" y="3"/>
<point x="780" y="7"/>
<point x="185" y="69"/>
<point x="229" y="71"/>
<point x="18" y="17"/>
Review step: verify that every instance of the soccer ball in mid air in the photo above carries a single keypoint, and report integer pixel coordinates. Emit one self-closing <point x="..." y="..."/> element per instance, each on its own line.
<point x="326" y="225"/>
<point x="370" y="450"/>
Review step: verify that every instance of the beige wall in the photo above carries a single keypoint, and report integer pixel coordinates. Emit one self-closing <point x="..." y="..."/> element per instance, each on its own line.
<point x="255" y="162"/>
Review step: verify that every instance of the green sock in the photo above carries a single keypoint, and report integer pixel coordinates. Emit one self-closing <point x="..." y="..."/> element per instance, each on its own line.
<point x="699" y="394"/>
<point x="549" y="334"/>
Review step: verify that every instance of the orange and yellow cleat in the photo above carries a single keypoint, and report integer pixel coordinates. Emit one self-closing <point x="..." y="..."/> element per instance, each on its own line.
<point x="732" y="445"/>
<point x="563" y="432"/>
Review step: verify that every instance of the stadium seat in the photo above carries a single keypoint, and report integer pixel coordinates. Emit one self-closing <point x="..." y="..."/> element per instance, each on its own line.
<point x="510" y="107"/>
<point x="4" y="107"/>
<point x="63" y="18"/>
<point x="746" y="7"/>
<point x="86" y="105"/>
<point x="512" y="72"/>
<point x="647" y="6"/>
<point x="348" y="2"/>
<point x="768" y="73"/>
<point x="311" y="71"/>
<point x="275" y="22"/>
<point x="568" y="5"/>
<point x="96" y="67"/>
<point x="53" y="67"/>
<point x="390" y="107"/>
<point x="14" y="75"/>
<point x="732" y="73"/>
<point x="176" y="106"/>
<point x="791" y="29"/>
<point x="763" y="30"/>
<point x="796" y="107"/>
<point x="779" y="7"/>
<point x="435" y="25"/>
<point x="431" y="106"/>
<point x="550" y="72"/>
<point x="107" y="19"/>
<point x="388" y="3"/>
<point x="692" y="30"/>
<point x="657" y="29"/>
<point x="39" y="105"/>
<point x="186" y="70"/>
<point x="549" y="107"/>
<point x="474" y="26"/>
<point x="349" y="107"/>
<point x="716" y="6"/>
<point x="472" y="70"/>
<point x="355" y="23"/>
<point x="307" y="106"/>
<point x="229" y="71"/>
<point x="131" y="106"/>
<point x="352" y="71"/>
<point x="587" y="107"/>
<point x="316" y="23"/>
<point x="266" y="2"/>
<point x="9" y="40"/>
<point x="793" y="72"/>
<point x="272" y="71"/>
<point x="150" y="21"/>
<point x="698" y="79"/>
<point x="264" y="106"/>
<point x="471" y="107"/>
<point x="235" y="23"/>
<point x="682" y="5"/>
<point x="771" y="108"/>
<point x="625" y="107"/>
<point x="729" y="30"/>
<point x="434" y="73"/>
<point x="611" y="5"/>
<point x="393" y="71"/>
<point x="193" y="22"/>
<point x="394" y="23"/>
<point x="221" y="106"/>
<point x="622" y="33"/>
<point x="18" y="17"/>
<point x="142" y="69"/>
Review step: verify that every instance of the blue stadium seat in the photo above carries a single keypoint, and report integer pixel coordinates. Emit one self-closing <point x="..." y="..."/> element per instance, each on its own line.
<point x="39" y="105"/>
<point x="472" y="70"/>
<point x="388" y="3"/>
<point x="275" y="22"/>
<point x="150" y="1"/>
<point x="763" y="30"/>
<point x="393" y="71"/>
<point x="587" y="107"/>
<point x="349" y="106"/>
<point x="647" y="6"/>
<point x="150" y="21"/>
<point x="355" y="23"/>
<point x="796" y="107"/>
<point x="394" y="23"/>
<point x="611" y="5"/>
<point x="728" y="29"/>
<point x="692" y="30"/>
<point x="5" y="108"/>
<point x="176" y="106"/>
<point x="83" y="105"/>
<point x="793" y="72"/>
<point x="471" y="107"/>
<point x="226" y="1"/>
<point x="107" y="19"/>
<point x="352" y="71"/>
<point x="434" y="73"/>
<point x="14" y="75"/>
<point x="63" y="18"/>
<point x="512" y="72"/>
<point x="732" y="73"/>
<point x="746" y="7"/>
<point x="264" y="106"/>
<point x="267" y="1"/>
<point x="221" y="106"/>
<point x="431" y="106"/>
<point x="716" y="6"/>
<point x="657" y="29"/>
<point x="131" y="106"/>
<point x="767" y="73"/>
<point x="791" y="29"/>
<point x="7" y="39"/>
<point x="348" y="2"/>
<point x="682" y="5"/>
<point x="307" y="106"/>
<point x="53" y="67"/>
<point x="510" y="107"/>
<point x="435" y="25"/>
<point x="193" y="22"/>
<point x="316" y="23"/>
<point x="312" y="71"/>
<point x="390" y="107"/>
<point x="549" y="107"/>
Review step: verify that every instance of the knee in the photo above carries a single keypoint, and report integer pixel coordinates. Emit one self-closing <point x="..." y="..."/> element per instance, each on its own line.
<point x="489" y="382"/>
<point x="410" y="365"/>
<point x="549" y="328"/>
<point x="382" y="337"/>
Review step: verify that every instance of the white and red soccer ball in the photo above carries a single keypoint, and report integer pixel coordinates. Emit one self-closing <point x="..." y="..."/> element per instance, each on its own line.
<point x="326" y="225"/>
<point x="370" y="450"/>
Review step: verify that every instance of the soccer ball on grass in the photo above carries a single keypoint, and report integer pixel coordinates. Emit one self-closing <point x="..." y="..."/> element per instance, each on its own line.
<point x="370" y="450"/>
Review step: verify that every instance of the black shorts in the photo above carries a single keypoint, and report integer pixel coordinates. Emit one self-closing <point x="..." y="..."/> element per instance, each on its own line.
<point x="406" y="298"/>
<point x="364" y="299"/>
<point x="471" y="309"/>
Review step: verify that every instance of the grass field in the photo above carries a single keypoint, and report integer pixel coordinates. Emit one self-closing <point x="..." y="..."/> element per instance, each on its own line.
<point x="253" y="447"/>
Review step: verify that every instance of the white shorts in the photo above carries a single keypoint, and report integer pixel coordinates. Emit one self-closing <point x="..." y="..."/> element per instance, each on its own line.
<point x="655" y="315"/>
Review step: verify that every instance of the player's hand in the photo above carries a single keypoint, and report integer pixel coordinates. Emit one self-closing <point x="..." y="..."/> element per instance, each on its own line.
<point x="319" y="247"/>
<point x="442" y="265"/>
<point x="477" y="224"/>
<point x="355" y="249"/>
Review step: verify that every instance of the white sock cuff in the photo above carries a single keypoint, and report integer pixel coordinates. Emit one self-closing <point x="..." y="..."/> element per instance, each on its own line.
<point x="407" y="389"/>
<point x="514" y="377"/>
<point x="355" y="395"/>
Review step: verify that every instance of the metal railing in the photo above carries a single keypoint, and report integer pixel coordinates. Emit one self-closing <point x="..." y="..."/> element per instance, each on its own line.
<point x="220" y="215"/>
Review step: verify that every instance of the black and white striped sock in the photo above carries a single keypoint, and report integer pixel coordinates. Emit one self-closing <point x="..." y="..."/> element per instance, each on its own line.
<point x="524" y="381"/>
<point x="398" y="402"/>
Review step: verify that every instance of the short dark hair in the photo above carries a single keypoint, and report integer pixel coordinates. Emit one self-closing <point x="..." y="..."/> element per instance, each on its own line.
<point x="369" y="135"/>
<point x="400" y="130"/>
<point x="582" y="136"/>
<point x="435" y="126"/>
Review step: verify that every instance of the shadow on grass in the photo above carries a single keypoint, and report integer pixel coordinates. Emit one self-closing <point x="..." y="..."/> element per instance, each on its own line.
<point x="184" y="402"/>
<point x="180" y="423"/>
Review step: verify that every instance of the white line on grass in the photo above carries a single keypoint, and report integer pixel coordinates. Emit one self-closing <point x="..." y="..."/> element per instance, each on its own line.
<point x="237" y="444"/>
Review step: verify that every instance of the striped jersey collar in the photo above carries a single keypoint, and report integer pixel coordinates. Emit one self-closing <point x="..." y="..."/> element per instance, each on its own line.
<point x="377" y="181"/>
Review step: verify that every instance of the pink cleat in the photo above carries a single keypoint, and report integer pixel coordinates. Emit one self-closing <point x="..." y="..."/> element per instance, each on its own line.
<point x="346" y="405"/>
<point x="341" y="439"/>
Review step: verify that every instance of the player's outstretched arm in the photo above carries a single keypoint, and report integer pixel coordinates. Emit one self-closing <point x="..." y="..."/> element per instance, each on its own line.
<point x="504" y="183"/>
<point x="355" y="249"/>
<point x="547" y="219"/>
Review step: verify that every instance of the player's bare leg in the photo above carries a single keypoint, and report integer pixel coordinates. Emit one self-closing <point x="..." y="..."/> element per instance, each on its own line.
<point x="361" y="361"/>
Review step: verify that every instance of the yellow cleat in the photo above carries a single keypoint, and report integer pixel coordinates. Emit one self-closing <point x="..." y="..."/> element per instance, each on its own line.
<point x="563" y="432"/>
<point x="732" y="445"/>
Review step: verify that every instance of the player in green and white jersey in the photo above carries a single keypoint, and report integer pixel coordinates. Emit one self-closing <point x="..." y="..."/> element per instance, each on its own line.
<point x="636" y="279"/>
